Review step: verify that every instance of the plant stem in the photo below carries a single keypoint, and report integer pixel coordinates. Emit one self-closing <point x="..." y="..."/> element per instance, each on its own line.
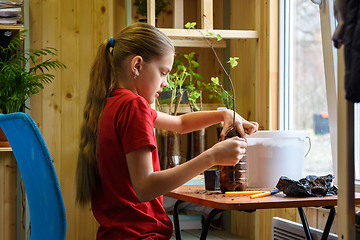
<point x="222" y="88"/>
<point x="159" y="105"/>
<point x="178" y="103"/>
<point x="231" y="83"/>
<point x="191" y="105"/>
<point x="171" y="100"/>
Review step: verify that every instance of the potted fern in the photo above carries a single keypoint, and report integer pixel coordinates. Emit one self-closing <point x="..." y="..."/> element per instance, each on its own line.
<point x="17" y="82"/>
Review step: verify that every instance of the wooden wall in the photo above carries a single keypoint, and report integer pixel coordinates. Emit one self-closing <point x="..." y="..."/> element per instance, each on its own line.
<point x="77" y="27"/>
<point x="7" y="195"/>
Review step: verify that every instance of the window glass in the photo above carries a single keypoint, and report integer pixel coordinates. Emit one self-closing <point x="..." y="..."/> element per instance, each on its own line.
<point x="304" y="96"/>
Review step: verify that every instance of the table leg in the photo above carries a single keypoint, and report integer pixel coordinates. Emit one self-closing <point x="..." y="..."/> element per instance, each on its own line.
<point x="327" y="226"/>
<point x="328" y="223"/>
<point x="176" y="220"/>
<point x="305" y="223"/>
<point x="208" y="220"/>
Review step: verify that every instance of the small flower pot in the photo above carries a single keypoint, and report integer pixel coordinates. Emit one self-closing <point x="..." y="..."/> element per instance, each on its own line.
<point x="212" y="180"/>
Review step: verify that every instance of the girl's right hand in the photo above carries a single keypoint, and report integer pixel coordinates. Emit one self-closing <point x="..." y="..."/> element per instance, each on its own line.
<point x="229" y="151"/>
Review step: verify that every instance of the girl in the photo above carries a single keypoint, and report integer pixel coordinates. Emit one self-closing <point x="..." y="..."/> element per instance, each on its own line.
<point x="118" y="167"/>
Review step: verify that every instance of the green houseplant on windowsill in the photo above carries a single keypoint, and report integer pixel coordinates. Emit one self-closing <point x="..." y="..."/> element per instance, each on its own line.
<point x="17" y="82"/>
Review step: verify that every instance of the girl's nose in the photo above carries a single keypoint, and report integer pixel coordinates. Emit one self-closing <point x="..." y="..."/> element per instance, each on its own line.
<point x="165" y="83"/>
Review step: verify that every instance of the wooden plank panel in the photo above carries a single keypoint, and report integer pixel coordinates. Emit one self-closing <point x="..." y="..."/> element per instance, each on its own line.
<point x="2" y="194"/>
<point x="264" y="220"/>
<point x="263" y="90"/>
<point x="101" y="21"/>
<point x="207" y="13"/>
<point x="51" y="94"/>
<point x="179" y="14"/>
<point x="273" y="26"/>
<point x="69" y="108"/>
<point x="311" y="214"/>
<point x="323" y="215"/>
<point x="119" y="14"/>
<point x="10" y="197"/>
<point x="243" y="224"/>
<point x="245" y="74"/>
<point x="85" y="227"/>
<point x="346" y="213"/>
<point x="35" y="35"/>
<point x="192" y="12"/>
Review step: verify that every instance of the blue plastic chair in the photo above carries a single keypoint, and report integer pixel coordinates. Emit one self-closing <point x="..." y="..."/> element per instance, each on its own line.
<point x="46" y="205"/>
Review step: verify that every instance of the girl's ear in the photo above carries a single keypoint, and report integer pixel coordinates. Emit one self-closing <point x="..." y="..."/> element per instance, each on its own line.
<point x="136" y="65"/>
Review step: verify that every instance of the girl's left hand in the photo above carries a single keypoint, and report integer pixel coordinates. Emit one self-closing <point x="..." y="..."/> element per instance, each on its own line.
<point x="242" y="126"/>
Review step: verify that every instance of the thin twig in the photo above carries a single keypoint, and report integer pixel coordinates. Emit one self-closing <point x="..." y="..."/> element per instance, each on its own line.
<point x="171" y="100"/>
<point x="178" y="103"/>
<point x="191" y="105"/>
<point x="159" y="105"/>
<point x="231" y="83"/>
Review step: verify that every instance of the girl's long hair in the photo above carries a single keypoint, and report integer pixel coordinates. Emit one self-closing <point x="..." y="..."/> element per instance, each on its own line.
<point x="140" y="39"/>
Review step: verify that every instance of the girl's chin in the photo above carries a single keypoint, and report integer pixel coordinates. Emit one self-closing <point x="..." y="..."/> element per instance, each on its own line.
<point x="150" y="101"/>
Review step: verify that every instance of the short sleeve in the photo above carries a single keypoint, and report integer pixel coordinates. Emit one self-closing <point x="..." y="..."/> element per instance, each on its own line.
<point x="135" y="126"/>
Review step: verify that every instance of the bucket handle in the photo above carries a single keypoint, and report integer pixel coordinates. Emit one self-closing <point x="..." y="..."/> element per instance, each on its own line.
<point x="309" y="146"/>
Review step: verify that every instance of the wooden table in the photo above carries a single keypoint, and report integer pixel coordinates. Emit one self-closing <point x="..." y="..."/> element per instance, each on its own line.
<point x="220" y="202"/>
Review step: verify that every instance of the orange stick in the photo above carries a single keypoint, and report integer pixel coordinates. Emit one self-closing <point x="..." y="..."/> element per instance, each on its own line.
<point x="243" y="192"/>
<point x="260" y="195"/>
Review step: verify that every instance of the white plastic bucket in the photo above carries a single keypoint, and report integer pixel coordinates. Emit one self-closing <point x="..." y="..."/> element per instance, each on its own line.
<point x="272" y="154"/>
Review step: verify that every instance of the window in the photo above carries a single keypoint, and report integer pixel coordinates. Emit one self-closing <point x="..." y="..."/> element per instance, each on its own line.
<point x="303" y="101"/>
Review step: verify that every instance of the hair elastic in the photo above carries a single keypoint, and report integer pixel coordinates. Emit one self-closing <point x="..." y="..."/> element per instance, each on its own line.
<point x="111" y="42"/>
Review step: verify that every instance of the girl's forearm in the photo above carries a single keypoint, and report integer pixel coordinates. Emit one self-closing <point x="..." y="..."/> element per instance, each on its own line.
<point x="199" y="120"/>
<point x="159" y="183"/>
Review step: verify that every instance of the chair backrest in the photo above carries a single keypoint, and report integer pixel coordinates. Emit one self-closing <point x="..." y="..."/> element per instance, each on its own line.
<point x="46" y="206"/>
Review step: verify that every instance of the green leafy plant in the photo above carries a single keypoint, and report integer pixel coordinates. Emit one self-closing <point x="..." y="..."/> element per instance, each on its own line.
<point x="176" y="82"/>
<point x="160" y="7"/>
<point x="183" y="79"/>
<point x="215" y="86"/>
<point x="193" y="83"/>
<point x="218" y="91"/>
<point x="17" y="83"/>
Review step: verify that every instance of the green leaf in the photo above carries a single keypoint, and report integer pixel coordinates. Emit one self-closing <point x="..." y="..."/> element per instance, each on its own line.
<point x="194" y="64"/>
<point x="198" y="76"/>
<point x="218" y="37"/>
<point x="190" y="25"/>
<point x="215" y="80"/>
<point x="233" y="61"/>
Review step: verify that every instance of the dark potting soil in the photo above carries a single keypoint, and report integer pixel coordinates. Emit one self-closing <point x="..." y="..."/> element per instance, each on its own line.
<point x="310" y="186"/>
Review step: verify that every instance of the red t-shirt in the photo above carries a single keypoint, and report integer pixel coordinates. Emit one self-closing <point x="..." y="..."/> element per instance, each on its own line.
<point x="126" y="125"/>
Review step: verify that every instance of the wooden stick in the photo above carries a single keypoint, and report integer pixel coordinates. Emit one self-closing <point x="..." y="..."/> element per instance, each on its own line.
<point x="159" y="105"/>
